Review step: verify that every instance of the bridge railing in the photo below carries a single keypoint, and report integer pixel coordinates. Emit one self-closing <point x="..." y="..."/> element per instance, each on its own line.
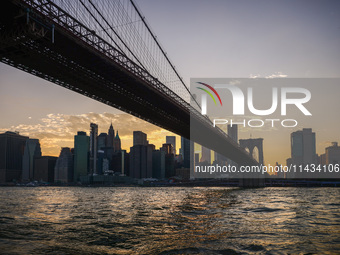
<point x="65" y="21"/>
<point x="69" y="24"/>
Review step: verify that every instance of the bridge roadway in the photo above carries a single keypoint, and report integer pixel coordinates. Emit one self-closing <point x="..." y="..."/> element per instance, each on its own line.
<point x="40" y="38"/>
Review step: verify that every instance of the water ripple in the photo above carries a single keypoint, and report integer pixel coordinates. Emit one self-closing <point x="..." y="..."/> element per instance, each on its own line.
<point x="174" y="220"/>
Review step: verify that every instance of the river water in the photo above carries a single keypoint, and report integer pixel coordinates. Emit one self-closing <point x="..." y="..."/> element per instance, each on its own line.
<point x="169" y="220"/>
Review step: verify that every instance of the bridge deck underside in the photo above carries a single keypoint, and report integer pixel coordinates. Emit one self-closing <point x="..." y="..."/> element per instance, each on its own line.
<point x="73" y="64"/>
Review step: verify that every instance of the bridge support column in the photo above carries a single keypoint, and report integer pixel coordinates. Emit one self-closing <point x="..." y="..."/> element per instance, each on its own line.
<point x="252" y="180"/>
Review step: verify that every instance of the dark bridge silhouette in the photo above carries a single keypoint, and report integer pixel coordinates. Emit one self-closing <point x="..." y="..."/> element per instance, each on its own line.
<point x="46" y="39"/>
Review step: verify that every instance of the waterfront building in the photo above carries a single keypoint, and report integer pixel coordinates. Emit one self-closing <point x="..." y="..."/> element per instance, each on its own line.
<point x="303" y="150"/>
<point x="333" y="154"/>
<point x="172" y="140"/>
<point x="186" y="152"/>
<point x="81" y="155"/>
<point x="206" y="155"/>
<point x="116" y="143"/>
<point x="44" y="169"/>
<point x="12" y="147"/>
<point x="110" y="136"/>
<point x="102" y="140"/>
<point x="169" y="160"/>
<point x="63" y="171"/>
<point x="158" y="164"/>
<point x="141" y="161"/>
<point x="139" y="138"/>
<point x="93" y="148"/>
<point x="32" y="151"/>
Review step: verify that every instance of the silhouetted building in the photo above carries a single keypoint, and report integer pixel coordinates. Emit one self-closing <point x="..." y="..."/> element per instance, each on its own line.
<point x="197" y="158"/>
<point x="140" y="161"/>
<point x="12" y="147"/>
<point x="81" y="155"/>
<point x="120" y="162"/>
<point x="44" y="169"/>
<point x="333" y="154"/>
<point x="110" y="137"/>
<point x="206" y="155"/>
<point x="331" y="159"/>
<point x="172" y="140"/>
<point x="169" y="160"/>
<point x="140" y="156"/>
<point x="158" y="164"/>
<point x="167" y="147"/>
<point x="186" y="149"/>
<point x="63" y="171"/>
<point x="303" y="150"/>
<point x="103" y="163"/>
<point x="32" y="151"/>
<point x="139" y="138"/>
<point x="116" y="143"/>
<point x="179" y="159"/>
<point x="102" y="140"/>
<point x="322" y="159"/>
<point x="93" y="148"/>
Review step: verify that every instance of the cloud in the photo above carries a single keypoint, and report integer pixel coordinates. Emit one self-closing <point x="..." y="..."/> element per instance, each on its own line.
<point x="58" y="130"/>
<point x="254" y="76"/>
<point x="274" y="75"/>
<point x="277" y="75"/>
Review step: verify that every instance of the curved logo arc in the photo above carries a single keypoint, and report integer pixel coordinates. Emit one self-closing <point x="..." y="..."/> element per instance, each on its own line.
<point x="212" y="89"/>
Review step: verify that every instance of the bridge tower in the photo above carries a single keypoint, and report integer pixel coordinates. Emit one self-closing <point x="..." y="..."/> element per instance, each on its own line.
<point x="253" y="180"/>
<point x="251" y="144"/>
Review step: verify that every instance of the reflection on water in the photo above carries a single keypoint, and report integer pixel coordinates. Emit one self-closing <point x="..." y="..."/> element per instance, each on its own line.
<point x="131" y="220"/>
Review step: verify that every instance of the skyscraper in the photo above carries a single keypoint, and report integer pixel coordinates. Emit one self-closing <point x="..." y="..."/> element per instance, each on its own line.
<point x="110" y="136"/>
<point x="32" y="151"/>
<point x="140" y="156"/>
<point x="172" y="140"/>
<point x="303" y="149"/>
<point x="185" y="152"/>
<point x="102" y="140"/>
<point x="141" y="161"/>
<point x="116" y="143"/>
<point x="206" y="155"/>
<point x="139" y="138"/>
<point x="158" y="164"/>
<point x="44" y="168"/>
<point x="167" y="147"/>
<point x="11" y="153"/>
<point x="63" y="171"/>
<point x="333" y="154"/>
<point x="81" y="154"/>
<point x="197" y="158"/>
<point x="93" y="148"/>
<point x="120" y="162"/>
<point x="169" y="160"/>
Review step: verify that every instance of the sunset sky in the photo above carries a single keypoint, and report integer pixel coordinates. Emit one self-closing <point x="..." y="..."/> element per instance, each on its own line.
<point x="245" y="38"/>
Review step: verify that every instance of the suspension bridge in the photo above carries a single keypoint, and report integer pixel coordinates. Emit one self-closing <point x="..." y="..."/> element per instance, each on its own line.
<point x="106" y="50"/>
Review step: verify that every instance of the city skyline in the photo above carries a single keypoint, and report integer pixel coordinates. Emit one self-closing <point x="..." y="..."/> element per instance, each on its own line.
<point x="102" y="155"/>
<point x="51" y="143"/>
<point x="43" y="110"/>
<point x="169" y="127"/>
<point x="158" y="143"/>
